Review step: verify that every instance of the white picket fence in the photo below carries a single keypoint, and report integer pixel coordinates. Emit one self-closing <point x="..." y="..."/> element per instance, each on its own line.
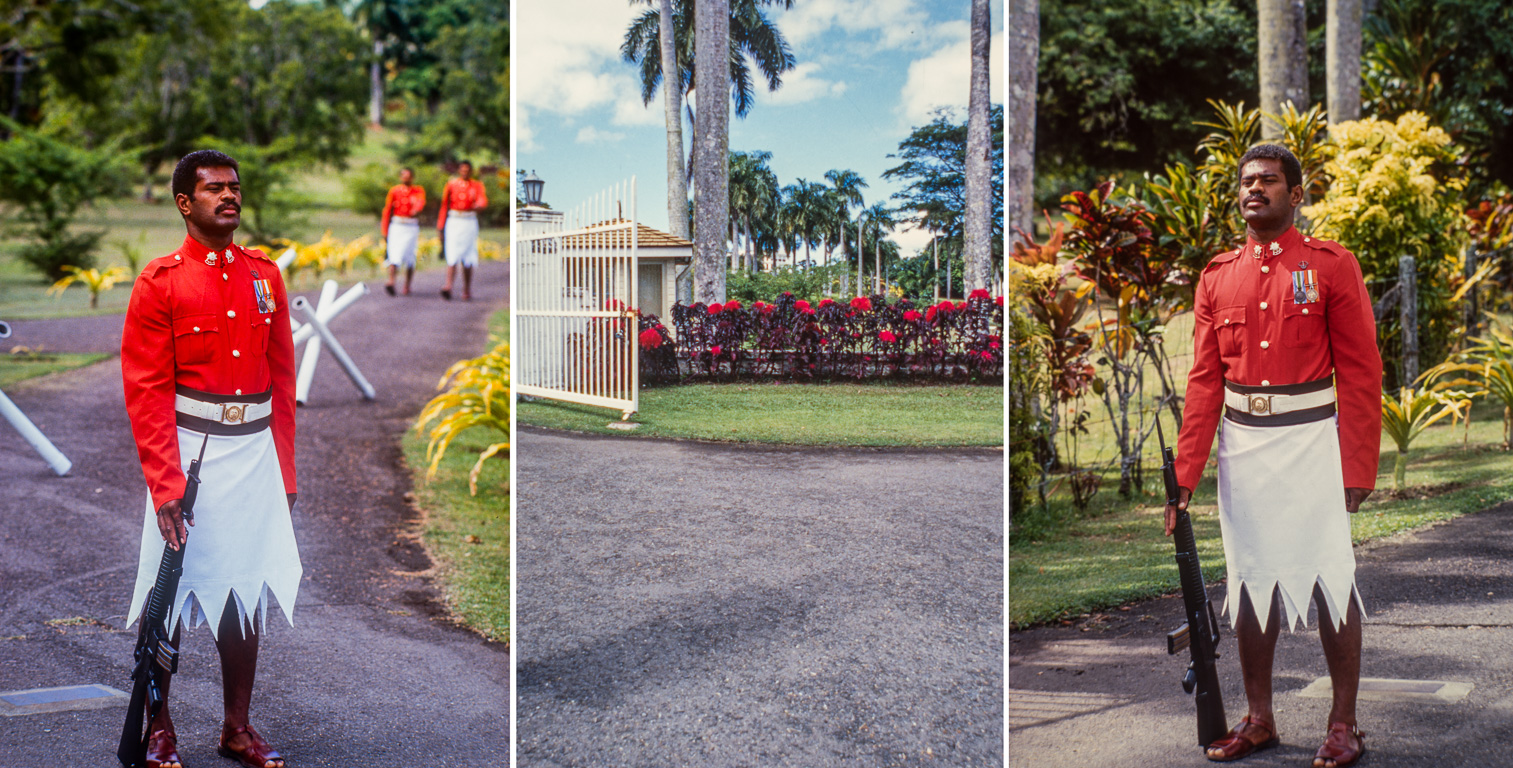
<point x="575" y="331"/>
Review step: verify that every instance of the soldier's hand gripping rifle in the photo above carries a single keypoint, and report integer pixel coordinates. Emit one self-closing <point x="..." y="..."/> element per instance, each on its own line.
<point x="155" y="658"/>
<point x="1200" y="635"/>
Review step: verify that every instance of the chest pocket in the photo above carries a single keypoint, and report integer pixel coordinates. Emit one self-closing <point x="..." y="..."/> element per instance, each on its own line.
<point x="260" y="331"/>
<point x="196" y="338"/>
<point x="1303" y="324"/>
<point x="1229" y="325"/>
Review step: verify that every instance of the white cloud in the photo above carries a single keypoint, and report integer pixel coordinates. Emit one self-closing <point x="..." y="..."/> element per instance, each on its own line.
<point x="591" y="135"/>
<point x="800" y="85"/>
<point x="910" y="239"/>
<point x="897" y="23"/>
<point x="567" y="54"/>
<point x="525" y="137"/>
<point x="943" y="78"/>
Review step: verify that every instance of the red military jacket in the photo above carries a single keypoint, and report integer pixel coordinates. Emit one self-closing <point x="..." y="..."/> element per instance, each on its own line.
<point x="1249" y="329"/>
<point x="459" y="195"/>
<point x="403" y="200"/>
<point x="199" y="325"/>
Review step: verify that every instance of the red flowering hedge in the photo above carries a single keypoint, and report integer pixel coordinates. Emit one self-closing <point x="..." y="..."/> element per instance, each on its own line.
<point x="865" y="338"/>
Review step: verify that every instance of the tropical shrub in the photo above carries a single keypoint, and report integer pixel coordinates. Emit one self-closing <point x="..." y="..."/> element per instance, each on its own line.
<point x="1412" y="412"/>
<point x="1489" y="361"/>
<point x="45" y="183"/>
<point x="864" y="338"/>
<point x="96" y="281"/>
<point x="477" y="394"/>
<point x="1395" y="190"/>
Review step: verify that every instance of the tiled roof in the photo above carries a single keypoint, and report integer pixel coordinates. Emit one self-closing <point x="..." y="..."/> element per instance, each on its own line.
<point x="646" y="237"/>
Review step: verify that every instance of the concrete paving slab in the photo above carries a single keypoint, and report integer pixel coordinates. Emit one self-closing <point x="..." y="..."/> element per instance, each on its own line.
<point x="64" y="698"/>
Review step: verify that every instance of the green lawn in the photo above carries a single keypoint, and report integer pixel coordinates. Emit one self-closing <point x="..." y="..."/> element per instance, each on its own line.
<point x="20" y="367"/>
<point x="468" y="536"/>
<point x="1066" y="563"/>
<point x="798" y="414"/>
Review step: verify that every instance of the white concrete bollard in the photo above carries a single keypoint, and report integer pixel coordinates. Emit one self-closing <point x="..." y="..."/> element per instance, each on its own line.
<point x="286" y="259"/>
<point x="334" y="346"/>
<point x="306" y="373"/>
<point x="327" y="312"/>
<point x="44" y="447"/>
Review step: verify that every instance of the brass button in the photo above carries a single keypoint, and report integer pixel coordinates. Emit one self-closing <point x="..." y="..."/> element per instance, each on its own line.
<point x="1306" y="240"/>
<point x="238" y="391"/>
<point x="178" y="258"/>
<point x="1264" y="383"/>
<point x="1265" y="344"/>
<point x="224" y="277"/>
<point x="231" y="313"/>
<point x="268" y="320"/>
<point x="1226" y="322"/>
<point x="236" y="353"/>
<point x="196" y="329"/>
<point x="1265" y="269"/>
<point x="1305" y="310"/>
<point x="1263" y="305"/>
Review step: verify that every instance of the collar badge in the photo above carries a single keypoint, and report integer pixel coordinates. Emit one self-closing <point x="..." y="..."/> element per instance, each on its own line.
<point x="210" y="258"/>
<point x="1276" y="249"/>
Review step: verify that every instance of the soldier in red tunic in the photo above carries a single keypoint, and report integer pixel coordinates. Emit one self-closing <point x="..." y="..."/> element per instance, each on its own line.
<point x="207" y="359"/>
<point x="1285" y="352"/>
<point x="401" y="228"/>
<point x="461" y="199"/>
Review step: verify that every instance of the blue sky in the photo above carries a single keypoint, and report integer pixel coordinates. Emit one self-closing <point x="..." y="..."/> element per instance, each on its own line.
<point x="868" y="71"/>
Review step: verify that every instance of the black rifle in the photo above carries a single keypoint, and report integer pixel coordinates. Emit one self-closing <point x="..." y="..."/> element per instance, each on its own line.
<point x="155" y="657"/>
<point x="1200" y="634"/>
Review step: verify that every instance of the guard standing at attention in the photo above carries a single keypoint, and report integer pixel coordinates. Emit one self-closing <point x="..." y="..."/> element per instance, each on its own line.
<point x="401" y="228"/>
<point x="461" y="200"/>
<point x="1285" y="350"/>
<point x="207" y="358"/>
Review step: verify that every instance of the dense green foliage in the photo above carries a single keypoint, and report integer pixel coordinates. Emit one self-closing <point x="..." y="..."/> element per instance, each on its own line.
<point x="933" y="168"/>
<point x="43" y="185"/>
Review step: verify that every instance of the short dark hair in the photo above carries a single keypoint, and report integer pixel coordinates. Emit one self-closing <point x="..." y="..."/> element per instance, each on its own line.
<point x="407" y="168"/>
<point x="468" y="163"/>
<point x="187" y="171"/>
<point x="1292" y="170"/>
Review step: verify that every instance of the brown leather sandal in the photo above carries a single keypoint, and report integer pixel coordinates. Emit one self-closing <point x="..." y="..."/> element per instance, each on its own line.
<point x="1236" y="745"/>
<point x="1337" y="751"/>
<point x="257" y="754"/>
<point x="163" y="750"/>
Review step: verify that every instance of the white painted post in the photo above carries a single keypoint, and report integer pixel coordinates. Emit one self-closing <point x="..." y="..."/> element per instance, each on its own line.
<point x="306" y="373"/>
<point x="286" y="259"/>
<point x="334" y="346"/>
<point x="328" y="312"/>
<point x="39" y="442"/>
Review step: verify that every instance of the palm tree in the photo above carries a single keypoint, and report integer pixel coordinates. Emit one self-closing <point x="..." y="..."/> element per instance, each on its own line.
<point x="387" y="22"/>
<point x="979" y="194"/>
<point x="752" y="35"/>
<point x="1282" y="51"/>
<point x="1024" y="57"/>
<point x="810" y="208"/>
<point x="753" y="196"/>
<point x="1342" y="55"/>
<point x="879" y="219"/>
<point x="711" y="148"/>
<point x="847" y="186"/>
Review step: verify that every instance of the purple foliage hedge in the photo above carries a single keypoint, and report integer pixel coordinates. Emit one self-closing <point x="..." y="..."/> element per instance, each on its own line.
<point x="866" y="338"/>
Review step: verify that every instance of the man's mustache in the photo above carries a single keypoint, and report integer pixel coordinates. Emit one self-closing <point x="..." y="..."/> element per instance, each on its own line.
<point x="229" y="207"/>
<point x="1261" y="198"/>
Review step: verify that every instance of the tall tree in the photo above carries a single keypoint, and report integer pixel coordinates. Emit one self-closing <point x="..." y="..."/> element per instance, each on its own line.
<point x="711" y="158"/>
<point x="846" y="187"/>
<point x="388" y="26"/>
<point x="1343" y="60"/>
<point x="753" y="198"/>
<point x="753" y="36"/>
<point x="1282" y="58"/>
<point x="1024" y="57"/>
<point x="933" y="166"/>
<point x="979" y="225"/>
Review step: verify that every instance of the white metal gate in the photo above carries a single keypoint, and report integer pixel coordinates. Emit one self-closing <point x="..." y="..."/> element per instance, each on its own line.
<point x="576" y="326"/>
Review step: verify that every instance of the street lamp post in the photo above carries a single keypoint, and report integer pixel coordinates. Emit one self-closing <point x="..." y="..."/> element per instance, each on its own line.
<point x="533" y="185"/>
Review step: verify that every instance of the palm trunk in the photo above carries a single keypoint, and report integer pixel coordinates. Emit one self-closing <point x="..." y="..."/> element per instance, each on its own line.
<point x="376" y="86"/>
<point x="979" y="194"/>
<point x="1024" y="57"/>
<point x="711" y="159"/>
<point x="1342" y="55"/>
<point x="672" y="112"/>
<point x="1282" y="57"/>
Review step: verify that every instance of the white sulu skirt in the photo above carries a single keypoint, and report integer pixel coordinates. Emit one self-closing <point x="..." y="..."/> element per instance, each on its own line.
<point x="462" y="238"/>
<point x="241" y="545"/>
<point x="404" y="238"/>
<point x="1282" y="513"/>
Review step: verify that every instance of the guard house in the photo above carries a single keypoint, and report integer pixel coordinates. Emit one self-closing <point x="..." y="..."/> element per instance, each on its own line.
<point x="663" y="259"/>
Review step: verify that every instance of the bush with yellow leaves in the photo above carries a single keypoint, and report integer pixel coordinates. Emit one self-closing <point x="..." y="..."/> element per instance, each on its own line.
<point x="476" y="394"/>
<point x="95" y="280"/>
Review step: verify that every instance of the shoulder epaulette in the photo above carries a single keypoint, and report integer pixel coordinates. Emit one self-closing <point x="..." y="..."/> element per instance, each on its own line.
<point x="1222" y="258"/>
<point x="159" y="264"/>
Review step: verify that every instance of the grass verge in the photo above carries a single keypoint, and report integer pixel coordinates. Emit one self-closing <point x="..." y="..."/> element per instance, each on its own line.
<point x="468" y="536"/>
<point x="1063" y="563"/>
<point x="798" y="414"/>
<point x="20" y="367"/>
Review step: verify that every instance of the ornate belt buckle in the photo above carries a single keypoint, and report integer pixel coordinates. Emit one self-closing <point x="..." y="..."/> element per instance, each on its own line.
<point x="232" y="414"/>
<point x="1260" y="405"/>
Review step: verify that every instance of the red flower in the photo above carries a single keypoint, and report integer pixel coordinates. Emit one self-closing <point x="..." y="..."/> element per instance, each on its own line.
<point x="807" y="310"/>
<point x="887" y="336"/>
<point x="930" y="315"/>
<point x="862" y="303"/>
<point x="766" y="309"/>
<point x="945" y="307"/>
<point x="715" y="350"/>
<point x="650" y="339"/>
<point x="826" y="302"/>
<point x="1000" y="301"/>
<point x="801" y="305"/>
<point x="961" y="305"/>
<point x="714" y="309"/>
<point x="732" y="304"/>
<point x="980" y="293"/>
<point x="993" y="345"/>
<point x="912" y="316"/>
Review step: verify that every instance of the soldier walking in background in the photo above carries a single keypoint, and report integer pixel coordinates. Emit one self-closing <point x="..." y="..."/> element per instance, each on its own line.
<point x="401" y="228"/>
<point x="207" y="359"/>
<point x="461" y="200"/>
<point x="1285" y="350"/>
